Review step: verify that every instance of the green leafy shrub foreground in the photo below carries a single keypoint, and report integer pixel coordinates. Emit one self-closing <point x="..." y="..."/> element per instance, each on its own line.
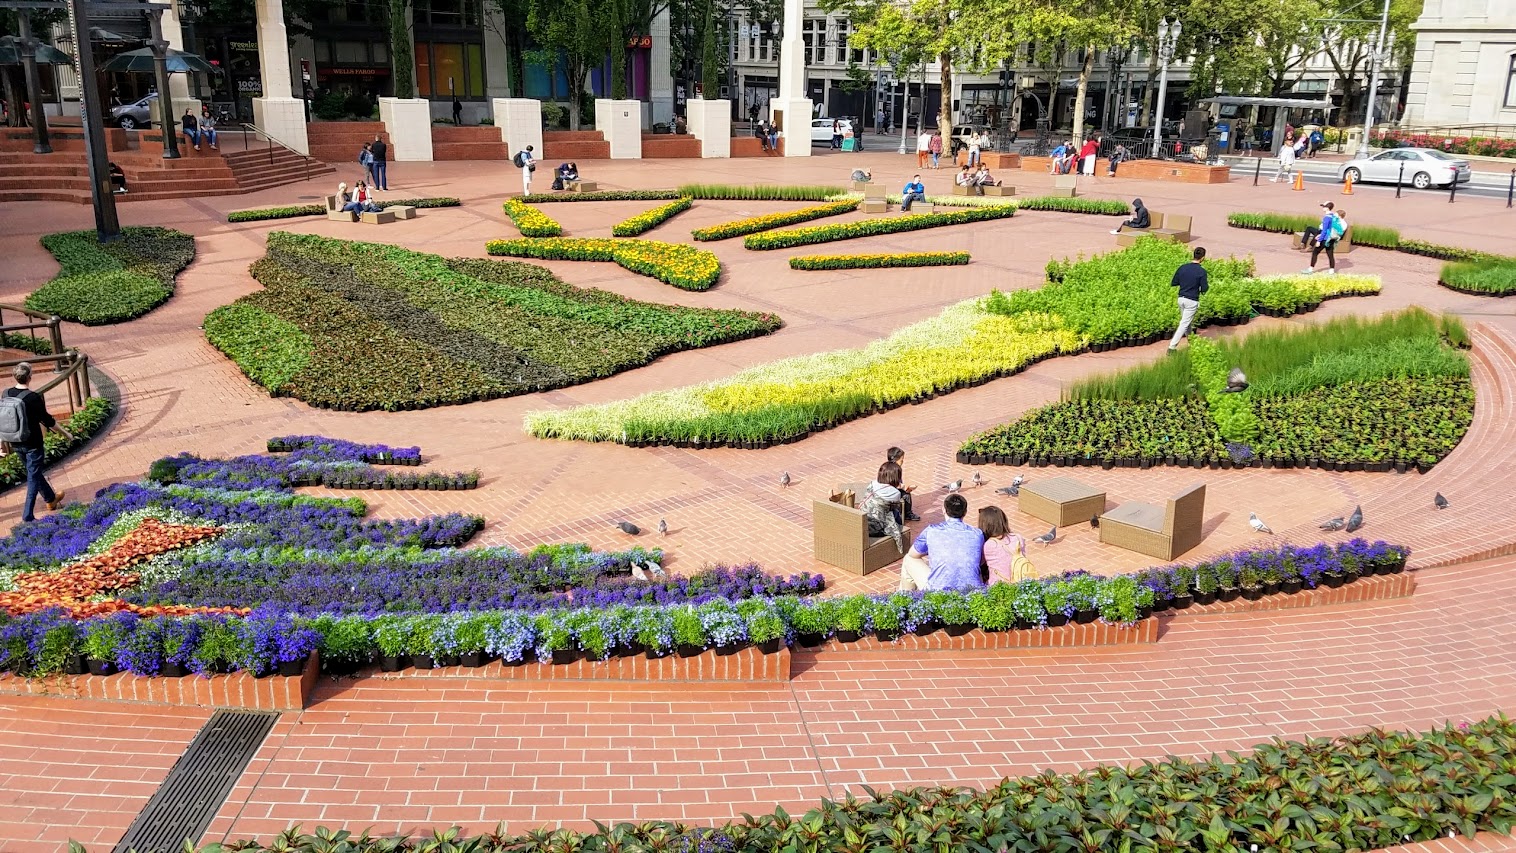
<point x="896" y="259"/>
<point x="671" y="263"/>
<point x="753" y="224"/>
<point x="1496" y="277"/>
<point x="871" y="227"/>
<point x="1366" y="791"/>
<point x="1112" y="300"/>
<point x="530" y="221"/>
<point x="648" y="220"/>
<point x="83" y="424"/>
<point x="103" y="283"/>
<point x="292" y="211"/>
<point x="359" y="326"/>
<point x="1331" y="395"/>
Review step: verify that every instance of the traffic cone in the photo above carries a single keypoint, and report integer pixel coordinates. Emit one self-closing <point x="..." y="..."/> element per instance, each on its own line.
<point x="1347" y="185"/>
<point x="1299" y="185"/>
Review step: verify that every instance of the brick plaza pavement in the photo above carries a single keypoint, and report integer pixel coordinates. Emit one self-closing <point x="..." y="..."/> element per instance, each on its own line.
<point x="652" y="751"/>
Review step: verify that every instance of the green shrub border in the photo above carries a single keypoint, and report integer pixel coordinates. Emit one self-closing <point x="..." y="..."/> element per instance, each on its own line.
<point x="83" y="258"/>
<point x="1059" y="204"/>
<point x="871" y="227"/>
<point x="294" y="211"/>
<point x="1457" y="276"/>
<point x="879" y="261"/>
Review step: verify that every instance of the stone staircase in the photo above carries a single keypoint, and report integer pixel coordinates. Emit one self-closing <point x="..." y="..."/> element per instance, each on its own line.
<point x="338" y="142"/>
<point x="468" y="143"/>
<point x="575" y="145"/>
<point x="64" y="175"/>
<point x="661" y="145"/>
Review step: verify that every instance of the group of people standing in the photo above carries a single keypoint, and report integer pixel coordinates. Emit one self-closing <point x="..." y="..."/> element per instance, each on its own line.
<point x="374" y="158"/>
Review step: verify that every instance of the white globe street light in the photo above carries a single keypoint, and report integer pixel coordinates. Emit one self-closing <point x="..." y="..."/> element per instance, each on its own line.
<point x="1168" y="34"/>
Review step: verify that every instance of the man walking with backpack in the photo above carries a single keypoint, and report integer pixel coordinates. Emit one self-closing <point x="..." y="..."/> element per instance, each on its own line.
<point x="528" y="164"/>
<point x="380" y="152"/>
<point x="23" y="416"/>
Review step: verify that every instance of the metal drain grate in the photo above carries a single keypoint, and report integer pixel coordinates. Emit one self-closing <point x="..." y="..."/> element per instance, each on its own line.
<point x="198" y="783"/>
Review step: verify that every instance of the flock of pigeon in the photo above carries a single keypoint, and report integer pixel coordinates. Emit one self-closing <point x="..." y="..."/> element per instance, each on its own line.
<point x="1350" y="524"/>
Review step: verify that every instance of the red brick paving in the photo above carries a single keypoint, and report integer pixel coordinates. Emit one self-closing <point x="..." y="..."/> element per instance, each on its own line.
<point x="439" y="750"/>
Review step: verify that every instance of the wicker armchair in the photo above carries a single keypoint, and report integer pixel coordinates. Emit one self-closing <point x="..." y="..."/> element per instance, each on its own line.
<point x="1162" y="532"/>
<point x="841" y="534"/>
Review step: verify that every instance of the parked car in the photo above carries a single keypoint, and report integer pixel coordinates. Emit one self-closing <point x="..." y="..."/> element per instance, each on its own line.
<point x="821" y="129"/>
<point x="135" y="115"/>
<point x="962" y="132"/>
<point x="1423" y="168"/>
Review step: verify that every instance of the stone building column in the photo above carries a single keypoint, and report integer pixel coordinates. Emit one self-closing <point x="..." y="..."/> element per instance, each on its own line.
<point x="278" y="113"/>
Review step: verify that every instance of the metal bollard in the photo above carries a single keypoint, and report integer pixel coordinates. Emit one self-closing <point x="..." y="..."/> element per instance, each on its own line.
<point x="1510" y="194"/>
<point x="1258" y="167"/>
<point x="1453" y="190"/>
<point x="1399" y="180"/>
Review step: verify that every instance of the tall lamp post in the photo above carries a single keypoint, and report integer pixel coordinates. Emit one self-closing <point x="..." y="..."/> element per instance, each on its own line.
<point x="1368" y="114"/>
<point x="1168" y="34"/>
<point x="1115" y="57"/>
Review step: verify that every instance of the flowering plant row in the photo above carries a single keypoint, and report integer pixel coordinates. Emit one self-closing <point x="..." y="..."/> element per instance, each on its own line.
<point x="82" y="425"/>
<point x="872" y="227"/>
<point x="879" y="261"/>
<point x="671" y="263"/>
<point x="635" y="225"/>
<point x="530" y="221"/>
<point x="563" y="634"/>
<point x="307" y="461"/>
<point x="362" y="326"/>
<point x="1114" y="300"/>
<point x="1377" y="236"/>
<point x="291" y="211"/>
<point x="103" y="283"/>
<point x="739" y="227"/>
<point x="340" y="449"/>
<point x="1478" y="146"/>
<point x="603" y="195"/>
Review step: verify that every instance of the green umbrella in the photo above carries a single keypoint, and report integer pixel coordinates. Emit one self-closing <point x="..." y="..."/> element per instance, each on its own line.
<point x="141" y="60"/>
<point x="10" y="53"/>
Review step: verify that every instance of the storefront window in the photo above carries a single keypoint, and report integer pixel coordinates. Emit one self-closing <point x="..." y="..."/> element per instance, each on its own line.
<point x="351" y="53"/>
<point x="1510" y="86"/>
<point x="438" y="63"/>
<point x="423" y="69"/>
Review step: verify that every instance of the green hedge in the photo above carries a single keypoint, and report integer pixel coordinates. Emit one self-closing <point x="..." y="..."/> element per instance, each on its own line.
<point x="646" y="221"/>
<point x="759" y="192"/>
<point x="603" y="195"/>
<point x="530" y="221"/>
<point x="871" y="227"/>
<point x="103" y="283"/>
<point x="293" y="211"/>
<point x="1485" y="278"/>
<point x="671" y="263"/>
<point x="1101" y="206"/>
<point x="897" y="259"/>
<point x="84" y="424"/>
<point x="361" y="326"/>
<point x="1375" y="236"/>
<point x="753" y="224"/>
<point x="1365" y="791"/>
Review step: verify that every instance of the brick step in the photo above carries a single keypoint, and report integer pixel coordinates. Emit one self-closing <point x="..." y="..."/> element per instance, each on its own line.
<point x="449" y="133"/>
<point x="666" y="145"/>
<point x="551" y="136"/>
<point x="183" y="187"/>
<point x="204" y="173"/>
<point x="77" y="196"/>
<point x="576" y="150"/>
<point x="470" y="151"/>
<point x="337" y="154"/>
<point x="274" y="179"/>
<point x="37" y="170"/>
<point x="49" y="182"/>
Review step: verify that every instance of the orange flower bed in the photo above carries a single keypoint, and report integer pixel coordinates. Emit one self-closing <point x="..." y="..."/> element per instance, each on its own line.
<point x="72" y="586"/>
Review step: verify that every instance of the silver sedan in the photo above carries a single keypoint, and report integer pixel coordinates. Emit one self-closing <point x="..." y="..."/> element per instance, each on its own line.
<point x="1419" y="167"/>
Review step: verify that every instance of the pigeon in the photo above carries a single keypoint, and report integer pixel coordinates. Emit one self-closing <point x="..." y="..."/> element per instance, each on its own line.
<point x="1257" y="523"/>
<point x="656" y="569"/>
<point x="1439" y="501"/>
<point x="1094" y="521"/>
<point x="1048" y="537"/>
<point x="953" y="486"/>
<point x="637" y="572"/>
<point x="784" y="480"/>
<point x="1334" y="524"/>
<point x="1013" y="491"/>
<point x="1017" y="481"/>
<point x="978" y="479"/>
<point x="1355" y="520"/>
<point x="663" y="527"/>
<point x="628" y="528"/>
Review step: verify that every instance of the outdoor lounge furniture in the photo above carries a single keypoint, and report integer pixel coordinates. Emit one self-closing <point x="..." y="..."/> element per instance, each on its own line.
<point x="874" y="199"/>
<point x="999" y="189"/>
<point x="1162" y="532"/>
<point x="337" y="214"/>
<point x="1061" y="501"/>
<point x="402" y="211"/>
<point x="1065" y="186"/>
<point x="1174" y="227"/>
<point x="841" y="534"/>
<point x="1344" y="243"/>
<point x="377" y="217"/>
<point x="582" y="186"/>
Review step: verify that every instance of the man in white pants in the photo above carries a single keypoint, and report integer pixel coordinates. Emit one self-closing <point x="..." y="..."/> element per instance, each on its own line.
<point x="1191" y="281"/>
<point x="527" y="162"/>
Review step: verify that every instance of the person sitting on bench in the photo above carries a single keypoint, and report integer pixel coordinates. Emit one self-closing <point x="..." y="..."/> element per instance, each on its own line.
<point x="118" y="178"/>
<point x="1140" y="217"/>
<point x="983" y="178"/>
<point x="566" y="172"/>
<point x="966" y="179"/>
<point x="914" y="190"/>
<point x="361" y="201"/>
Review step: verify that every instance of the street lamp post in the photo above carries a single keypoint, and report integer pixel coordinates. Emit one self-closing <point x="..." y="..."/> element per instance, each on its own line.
<point x="42" y="143"/>
<point x="1116" y="57"/>
<point x="1168" y="34"/>
<point x="1368" y="114"/>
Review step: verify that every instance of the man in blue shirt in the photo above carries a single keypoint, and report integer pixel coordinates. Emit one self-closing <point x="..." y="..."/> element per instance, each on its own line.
<point x="946" y="554"/>
<point x="914" y="190"/>
<point x="1191" y="281"/>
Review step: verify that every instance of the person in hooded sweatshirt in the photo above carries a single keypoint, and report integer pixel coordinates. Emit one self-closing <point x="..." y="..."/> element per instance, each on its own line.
<point x="1140" y="217"/>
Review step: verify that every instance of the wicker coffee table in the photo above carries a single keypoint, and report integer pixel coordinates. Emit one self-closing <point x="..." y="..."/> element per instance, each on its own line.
<point x="1061" y="501"/>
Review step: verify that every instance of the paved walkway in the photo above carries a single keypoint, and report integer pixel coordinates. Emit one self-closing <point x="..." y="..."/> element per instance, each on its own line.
<point x="612" y="752"/>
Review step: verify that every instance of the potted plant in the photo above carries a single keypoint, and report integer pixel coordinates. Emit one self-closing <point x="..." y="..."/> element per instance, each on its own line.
<point x="346" y="643"/>
<point x="852" y="619"/>
<point x="1056" y="602"/>
<point x="765" y="627"/>
<point x="993" y="608"/>
<point x="1082" y="592"/>
<point x="1271" y="580"/>
<point x="510" y="637"/>
<point x="920" y="618"/>
<point x="472" y="634"/>
<point x="1205" y="584"/>
<point x="592" y="633"/>
<point x="952" y="608"/>
<point x="1183" y="590"/>
<point x="62" y="648"/>
<point x="293" y="646"/>
<point x="218" y="648"/>
<point x="1227" y="588"/>
<point x="1025" y="601"/>
<point x="1117" y="599"/>
<point x="390" y="634"/>
<point x="103" y="637"/>
<point x="814" y="621"/>
<point x="884" y="614"/>
<point x="555" y="639"/>
<point x="726" y="628"/>
<point x="1250" y="579"/>
<point x="689" y="634"/>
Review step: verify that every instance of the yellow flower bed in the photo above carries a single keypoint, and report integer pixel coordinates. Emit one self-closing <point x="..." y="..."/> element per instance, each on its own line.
<point x="878" y="261"/>
<point x="672" y="263"/>
<point x="739" y="227"/>
<point x="530" y="221"/>
<point x="651" y="219"/>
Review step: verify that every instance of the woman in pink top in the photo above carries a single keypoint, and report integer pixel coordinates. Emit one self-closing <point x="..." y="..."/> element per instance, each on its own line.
<point x="1001" y="546"/>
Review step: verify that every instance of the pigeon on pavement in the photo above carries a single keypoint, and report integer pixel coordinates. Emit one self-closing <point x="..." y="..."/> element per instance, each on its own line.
<point x="1094" y="521"/>
<point x="1440" y="502"/>
<point x="663" y="527"/>
<point x="953" y="486"/>
<point x="1355" y="520"/>
<point x="656" y="569"/>
<point x="1017" y="481"/>
<point x="1048" y="537"/>
<point x="1257" y="523"/>
<point x="1334" y="524"/>
<point x="978" y="479"/>
<point x="628" y="528"/>
<point x="1013" y="491"/>
<point x="784" y="480"/>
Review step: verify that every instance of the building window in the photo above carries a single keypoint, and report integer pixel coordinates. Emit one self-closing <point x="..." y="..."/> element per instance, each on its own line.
<point x="1510" y="85"/>
<point x="840" y="43"/>
<point x="444" y="69"/>
<point x="814" y="35"/>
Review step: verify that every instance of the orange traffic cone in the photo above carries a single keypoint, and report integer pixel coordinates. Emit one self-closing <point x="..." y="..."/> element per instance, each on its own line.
<point x="1299" y="185"/>
<point x="1347" y="185"/>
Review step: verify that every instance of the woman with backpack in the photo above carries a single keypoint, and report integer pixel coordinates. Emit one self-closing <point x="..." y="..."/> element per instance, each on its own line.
<point x="366" y="160"/>
<point x="528" y="164"/>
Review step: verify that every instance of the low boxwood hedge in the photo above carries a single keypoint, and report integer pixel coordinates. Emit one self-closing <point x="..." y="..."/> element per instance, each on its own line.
<point x="671" y="263"/>
<point x="634" y="225"/>
<point x="753" y="224"/>
<point x="293" y="211"/>
<point x="871" y="227"/>
<point x="83" y="424"/>
<point x="103" y="283"/>
<point x="759" y="192"/>
<point x="530" y="221"/>
<point x="1101" y="206"/>
<point x="894" y="259"/>
<point x="1493" y="277"/>
<point x="602" y="195"/>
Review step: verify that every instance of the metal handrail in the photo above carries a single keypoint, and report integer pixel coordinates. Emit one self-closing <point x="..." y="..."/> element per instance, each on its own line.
<point x="272" y="141"/>
<point x="52" y="322"/>
<point x="69" y="365"/>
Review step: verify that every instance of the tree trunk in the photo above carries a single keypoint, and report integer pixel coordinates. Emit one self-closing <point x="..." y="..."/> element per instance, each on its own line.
<point x="576" y="85"/>
<point x="945" y="113"/>
<point x="1148" y="94"/>
<point x="1082" y="92"/>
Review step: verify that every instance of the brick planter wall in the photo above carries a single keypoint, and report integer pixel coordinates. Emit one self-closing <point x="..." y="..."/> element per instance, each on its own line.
<point x="747" y="665"/>
<point x="1147" y="170"/>
<point x="238" y="690"/>
<point x="1376" y="588"/>
<point x="749" y="146"/>
<point x="666" y="145"/>
<point x="1064" y="636"/>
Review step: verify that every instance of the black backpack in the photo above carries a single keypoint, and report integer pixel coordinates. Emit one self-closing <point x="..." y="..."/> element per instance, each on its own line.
<point x="517" y="159"/>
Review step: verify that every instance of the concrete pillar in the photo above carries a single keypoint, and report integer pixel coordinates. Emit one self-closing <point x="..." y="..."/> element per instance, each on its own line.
<point x="660" y="77"/>
<point x="620" y="122"/>
<point x="178" y="84"/>
<point x="792" y="100"/>
<point x="520" y="123"/>
<point x="278" y="112"/>
<point x="408" y="121"/>
<point x="711" y="123"/>
<point x="496" y="57"/>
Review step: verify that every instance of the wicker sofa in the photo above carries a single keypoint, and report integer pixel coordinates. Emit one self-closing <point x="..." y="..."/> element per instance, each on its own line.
<point x="841" y="534"/>
<point x="1162" y="532"/>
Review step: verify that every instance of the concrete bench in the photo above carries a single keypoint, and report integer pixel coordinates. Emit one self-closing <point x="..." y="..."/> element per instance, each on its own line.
<point x="1344" y="243"/>
<point x="378" y="217"/>
<point x="1064" y="186"/>
<point x="336" y="214"/>
<point x="402" y="211"/>
<point x="1174" y="227"/>
<point x="1000" y="189"/>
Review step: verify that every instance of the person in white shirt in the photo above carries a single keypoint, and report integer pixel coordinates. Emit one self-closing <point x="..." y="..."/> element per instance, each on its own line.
<point x="923" y="146"/>
<point x="528" y="163"/>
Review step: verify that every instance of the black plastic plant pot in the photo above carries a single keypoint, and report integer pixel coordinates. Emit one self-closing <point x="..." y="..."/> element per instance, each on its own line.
<point x="75" y="665"/>
<point x="848" y="636"/>
<point x="1252" y="593"/>
<point x="686" y="650"/>
<point x="1182" y="602"/>
<point x="474" y="660"/>
<point x="564" y="656"/>
<point x="1085" y="617"/>
<point x="1292" y="586"/>
<point x="887" y="635"/>
<point x="1057" y="620"/>
<point x="959" y="630"/>
<point x="393" y="663"/>
<point x="100" y="667"/>
<point x="810" y="640"/>
<point x="291" y="668"/>
<point x="771" y="647"/>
